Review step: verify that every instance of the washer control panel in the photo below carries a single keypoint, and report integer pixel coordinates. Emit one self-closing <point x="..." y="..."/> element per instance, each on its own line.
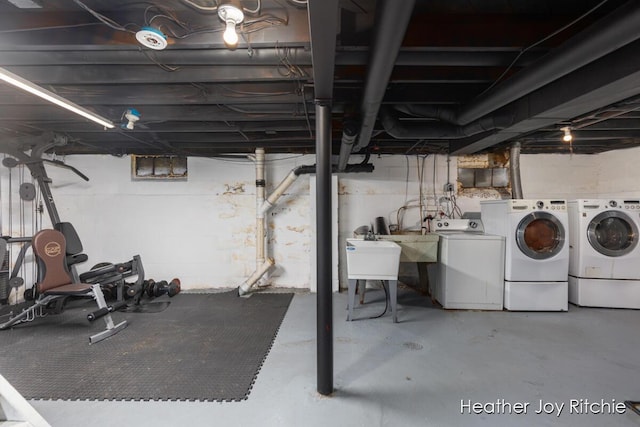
<point x="465" y="225"/>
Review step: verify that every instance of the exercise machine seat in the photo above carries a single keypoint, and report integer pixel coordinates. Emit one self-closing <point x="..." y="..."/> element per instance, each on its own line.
<point x="74" y="245"/>
<point x="56" y="283"/>
<point x="49" y="247"/>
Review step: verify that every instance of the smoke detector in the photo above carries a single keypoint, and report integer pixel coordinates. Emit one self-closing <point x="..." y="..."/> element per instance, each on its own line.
<point x="152" y="38"/>
<point x="131" y="116"/>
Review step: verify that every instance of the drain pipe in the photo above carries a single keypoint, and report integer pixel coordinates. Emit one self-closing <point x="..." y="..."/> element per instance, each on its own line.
<point x="262" y="264"/>
<point x="263" y="205"/>
<point x="349" y="135"/>
<point x="514" y="171"/>
<point x="392" y="20"/>
<point x="260" y="192"/>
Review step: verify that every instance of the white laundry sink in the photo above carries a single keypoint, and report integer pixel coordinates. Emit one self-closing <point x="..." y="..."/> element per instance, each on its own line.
<point x="372" y="259"/>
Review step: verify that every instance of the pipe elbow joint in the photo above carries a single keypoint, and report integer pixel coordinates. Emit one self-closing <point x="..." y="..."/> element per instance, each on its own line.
<point x="244" y="289"/>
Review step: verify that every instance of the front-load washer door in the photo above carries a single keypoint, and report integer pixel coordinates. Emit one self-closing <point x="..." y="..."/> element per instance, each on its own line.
<point x="540" y="235"/>
<point x="612" y="233"/>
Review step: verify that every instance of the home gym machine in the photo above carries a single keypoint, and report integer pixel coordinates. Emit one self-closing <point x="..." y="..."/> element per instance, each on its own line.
<point x="111" y="278"/>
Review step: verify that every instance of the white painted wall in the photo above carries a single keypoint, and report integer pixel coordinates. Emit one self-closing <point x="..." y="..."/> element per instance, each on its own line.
<point x="202" y="230"/>
<point x="619" y="173"/>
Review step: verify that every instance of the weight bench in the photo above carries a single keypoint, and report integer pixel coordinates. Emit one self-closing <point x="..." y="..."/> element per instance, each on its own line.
<point x="111" y="277"/>
<point x="56" y="284"/>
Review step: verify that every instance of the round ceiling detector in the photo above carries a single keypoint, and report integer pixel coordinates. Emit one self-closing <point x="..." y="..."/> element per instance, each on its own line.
<point x="152" y="38"/>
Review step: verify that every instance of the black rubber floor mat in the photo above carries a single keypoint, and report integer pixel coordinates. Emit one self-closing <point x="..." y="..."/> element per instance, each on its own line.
<point x="205" y="347"/>
<point x="147" y="307"/>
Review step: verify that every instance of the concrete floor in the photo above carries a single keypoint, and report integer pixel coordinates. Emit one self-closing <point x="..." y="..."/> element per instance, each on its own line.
<point x="419" y="372"/>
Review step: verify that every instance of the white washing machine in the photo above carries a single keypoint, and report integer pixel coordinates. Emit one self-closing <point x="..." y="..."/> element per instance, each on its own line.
<point x="536" y="262"/>
<point x="470" y="269"/>
<point x="604" y="254"/>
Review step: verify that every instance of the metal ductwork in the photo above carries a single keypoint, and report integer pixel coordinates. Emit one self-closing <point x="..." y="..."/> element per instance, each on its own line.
<point x="514" y="171"/>
<point x="392" y="20"/>
<point x="349" y="135"/>
<point x="439" y="129"/>
<point x="613" y="32"/>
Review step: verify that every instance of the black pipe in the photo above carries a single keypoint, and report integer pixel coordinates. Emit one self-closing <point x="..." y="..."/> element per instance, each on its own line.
<point x="392" y="20"/>
<point x="441" y="130"/>
<point x="358" y="168"/>
<point x="605" y="36"/>
<point x="324" y="321"/>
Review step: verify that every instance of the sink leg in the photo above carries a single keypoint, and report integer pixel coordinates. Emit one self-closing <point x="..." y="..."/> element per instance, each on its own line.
<point x="361" y="289"/>
<point x="353" y="283"/>
<point x="393" y="296"/>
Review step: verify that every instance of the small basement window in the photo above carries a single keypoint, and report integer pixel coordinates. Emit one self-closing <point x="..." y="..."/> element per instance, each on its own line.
<point x="483" y="174"/>
<point x="483" y="178"/>
<point x="159" y="167"/>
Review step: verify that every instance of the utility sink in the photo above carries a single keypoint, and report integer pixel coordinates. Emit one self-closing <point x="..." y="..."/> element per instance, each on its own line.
<point x="372" y="259"/>
<point x="416" y="247"/>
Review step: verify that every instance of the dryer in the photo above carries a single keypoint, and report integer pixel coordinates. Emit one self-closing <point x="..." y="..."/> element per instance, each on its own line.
<point x="604" y="253"/>
<point x="536" y="251"/>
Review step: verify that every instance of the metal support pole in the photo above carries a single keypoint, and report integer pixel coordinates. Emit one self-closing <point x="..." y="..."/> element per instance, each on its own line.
<point x="324" y="237"/>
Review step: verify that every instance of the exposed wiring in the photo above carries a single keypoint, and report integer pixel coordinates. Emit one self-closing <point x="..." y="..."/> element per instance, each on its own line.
<point x="291" y="70"/>
<point x="54" y="27"/>
<point x="107" y="21"/>
<point x="558" y="31"/>
<point x="247" y="94"/>
<point x="239" y="160"/>
<point x="406" y="181"/>
<point x="256" y="10"/>
<point x="386" y="302"/>
<point x="306" y="111"/>
<point x="201" y="7"/>
<point x="156" y="62"/>
<point x="165" y="15"/>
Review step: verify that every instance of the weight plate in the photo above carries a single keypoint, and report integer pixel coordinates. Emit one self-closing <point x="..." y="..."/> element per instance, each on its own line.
<point x="16" y="282"/>
<point x="27" y="191"/>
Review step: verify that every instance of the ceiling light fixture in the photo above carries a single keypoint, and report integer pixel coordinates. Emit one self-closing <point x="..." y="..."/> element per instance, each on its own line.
<point x="34" y="89"/>
<point x="231" y="13"/>
<point x="567" y="134"/>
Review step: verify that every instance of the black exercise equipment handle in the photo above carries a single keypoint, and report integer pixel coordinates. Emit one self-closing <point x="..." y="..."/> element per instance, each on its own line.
<point x="105" y="310"/>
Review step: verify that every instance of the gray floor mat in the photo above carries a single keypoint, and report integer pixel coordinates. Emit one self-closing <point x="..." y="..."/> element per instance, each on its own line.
<point x="206" y="347"/>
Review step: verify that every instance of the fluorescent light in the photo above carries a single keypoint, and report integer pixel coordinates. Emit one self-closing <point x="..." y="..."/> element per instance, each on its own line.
<point x="25" y="4"/>
<point x="34" y="89"/>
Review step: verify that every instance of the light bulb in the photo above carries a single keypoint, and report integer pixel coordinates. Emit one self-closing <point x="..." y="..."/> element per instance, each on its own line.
<point x="230" y="36"/>
<point x="567" y="134"/>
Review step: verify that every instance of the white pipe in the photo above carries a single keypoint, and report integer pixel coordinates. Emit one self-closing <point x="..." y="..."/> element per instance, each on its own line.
<point x="262" y="265"/>
<point x="277" y="193"/>
<point x="262" y="207"/>
<point x="260" y="193"/>
<point x="247" y="284"/>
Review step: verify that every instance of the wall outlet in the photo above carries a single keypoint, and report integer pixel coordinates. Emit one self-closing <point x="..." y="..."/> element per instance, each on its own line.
<point x="448" y="187"/>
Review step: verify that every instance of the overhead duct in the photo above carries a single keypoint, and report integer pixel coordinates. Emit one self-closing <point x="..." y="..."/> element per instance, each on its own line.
<point x="514" y="171"/>
<point x="612" y="32"/>
<point x="436" y="129"/>
<point x="349" y="135"/>
<point x="392" y="20"/>
<point x="605" y="36"/>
